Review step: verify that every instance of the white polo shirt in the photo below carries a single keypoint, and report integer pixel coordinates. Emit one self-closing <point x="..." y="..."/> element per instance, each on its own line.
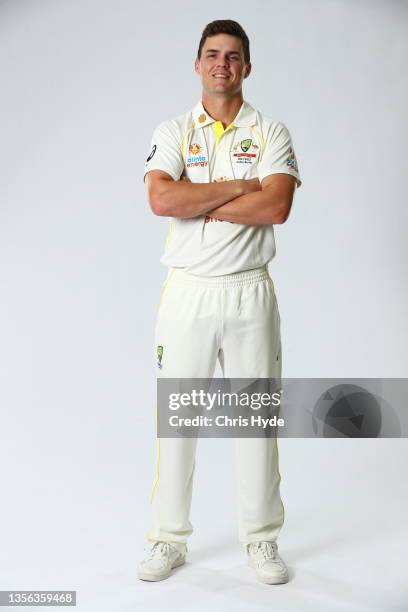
<point x="196" y="145"/>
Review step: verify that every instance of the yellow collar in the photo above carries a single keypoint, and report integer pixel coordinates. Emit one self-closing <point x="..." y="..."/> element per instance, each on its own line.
<point x="245" y="117"/>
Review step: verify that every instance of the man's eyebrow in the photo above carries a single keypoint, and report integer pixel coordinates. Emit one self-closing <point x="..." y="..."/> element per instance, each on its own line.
<point x="217" y="50"/>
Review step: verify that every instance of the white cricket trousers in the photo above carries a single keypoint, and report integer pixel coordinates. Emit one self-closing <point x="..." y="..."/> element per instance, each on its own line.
<point x="233" y="318"/>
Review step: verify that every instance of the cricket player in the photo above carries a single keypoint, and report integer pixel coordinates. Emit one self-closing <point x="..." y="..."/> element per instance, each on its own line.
<point x="225" y="174"/>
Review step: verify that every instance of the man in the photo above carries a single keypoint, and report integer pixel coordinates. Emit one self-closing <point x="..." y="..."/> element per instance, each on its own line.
<point x="225" y="174"/>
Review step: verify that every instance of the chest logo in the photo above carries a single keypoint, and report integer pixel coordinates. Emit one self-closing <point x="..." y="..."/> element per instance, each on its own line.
<point x="245" y="152"/>
<point x="196" y="157"/>
<point x="194" y="148"/>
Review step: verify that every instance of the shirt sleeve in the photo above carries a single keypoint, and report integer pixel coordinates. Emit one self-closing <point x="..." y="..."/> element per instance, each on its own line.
<point x="165" y="151"/>
<point x="278" y="154"/>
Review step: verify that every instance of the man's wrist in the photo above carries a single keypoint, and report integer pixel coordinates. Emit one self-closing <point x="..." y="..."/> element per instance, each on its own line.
<point x="241" y="188"/>
<point x="246" y="186"/>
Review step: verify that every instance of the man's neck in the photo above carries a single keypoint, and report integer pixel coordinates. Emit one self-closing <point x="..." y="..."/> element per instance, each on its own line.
<point x="222" y="108"/>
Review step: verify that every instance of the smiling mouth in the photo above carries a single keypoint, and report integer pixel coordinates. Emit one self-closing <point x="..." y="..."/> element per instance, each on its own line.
<point x="220" y="76"/>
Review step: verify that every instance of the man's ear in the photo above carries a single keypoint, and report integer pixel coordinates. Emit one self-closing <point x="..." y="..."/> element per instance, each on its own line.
<point x="247" y="70"/>
<point x="196" y="65"/>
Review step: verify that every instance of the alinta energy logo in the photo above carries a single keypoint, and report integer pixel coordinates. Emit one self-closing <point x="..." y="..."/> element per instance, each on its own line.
<point x="195" y="159"/>
<point x="194" y="148"/>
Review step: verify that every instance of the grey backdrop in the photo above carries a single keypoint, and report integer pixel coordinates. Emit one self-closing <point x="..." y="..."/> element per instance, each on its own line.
<point x="83" y="84"/>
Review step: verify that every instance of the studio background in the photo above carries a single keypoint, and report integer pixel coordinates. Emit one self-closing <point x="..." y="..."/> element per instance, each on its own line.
<point x="84" y="83"/>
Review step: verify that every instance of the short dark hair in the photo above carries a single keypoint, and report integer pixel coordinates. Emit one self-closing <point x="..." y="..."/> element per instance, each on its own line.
<point x="225" y="26"/>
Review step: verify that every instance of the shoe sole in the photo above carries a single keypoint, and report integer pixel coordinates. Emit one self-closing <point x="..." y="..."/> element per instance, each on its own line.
<point x="157" y="577"/>
<point x="272" y="580"/>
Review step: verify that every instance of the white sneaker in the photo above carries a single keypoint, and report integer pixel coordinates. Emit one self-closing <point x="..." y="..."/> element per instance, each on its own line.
<point x="162" y="559"/>
<point x="265" y="559"/>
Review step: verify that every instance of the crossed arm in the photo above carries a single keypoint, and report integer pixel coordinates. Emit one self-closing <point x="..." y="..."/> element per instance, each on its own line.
<point x="245" y="201"/>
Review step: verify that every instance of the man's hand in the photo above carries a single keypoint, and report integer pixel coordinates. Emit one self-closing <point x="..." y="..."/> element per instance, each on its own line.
<point x="251" y="185"/>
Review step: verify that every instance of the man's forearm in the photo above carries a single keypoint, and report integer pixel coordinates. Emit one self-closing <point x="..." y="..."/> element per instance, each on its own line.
<point x="185" y="200"/>
<point x="258" y="208"/>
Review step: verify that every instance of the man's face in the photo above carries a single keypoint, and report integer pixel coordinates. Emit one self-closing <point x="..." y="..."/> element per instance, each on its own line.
<point x="222" y="66"/>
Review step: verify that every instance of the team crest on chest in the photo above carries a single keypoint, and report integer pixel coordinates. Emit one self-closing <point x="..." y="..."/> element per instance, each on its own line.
<point x="245" y="144"/>
<point x="245" y="151"/>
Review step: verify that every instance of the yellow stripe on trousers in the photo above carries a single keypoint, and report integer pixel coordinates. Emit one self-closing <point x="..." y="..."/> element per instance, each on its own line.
<point x="156" y="479"/>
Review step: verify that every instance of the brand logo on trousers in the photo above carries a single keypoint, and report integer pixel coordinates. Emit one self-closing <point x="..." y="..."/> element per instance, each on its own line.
<point x="159" y="356"/>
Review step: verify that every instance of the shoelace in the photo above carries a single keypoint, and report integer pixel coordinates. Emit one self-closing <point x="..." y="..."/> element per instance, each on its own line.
<point x="159" y="549"/>
<point x="268" y="550"/>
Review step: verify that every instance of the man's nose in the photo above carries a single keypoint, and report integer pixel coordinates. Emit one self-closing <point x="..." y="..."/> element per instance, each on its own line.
<point x="222" y="62"/>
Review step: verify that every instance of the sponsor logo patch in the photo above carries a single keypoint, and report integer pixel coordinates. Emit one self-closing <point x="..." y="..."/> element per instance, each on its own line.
<point x="194" y="148"/>
<point x="196" y="160"/>
<point x="291" y="161"/>
<point x="153" y="151"/>
<point x="209" y="219"/>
